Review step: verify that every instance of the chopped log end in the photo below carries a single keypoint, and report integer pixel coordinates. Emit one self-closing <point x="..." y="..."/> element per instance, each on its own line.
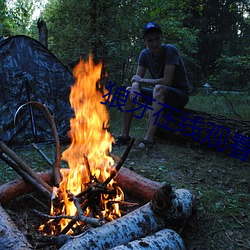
<point x="176" y="207"/>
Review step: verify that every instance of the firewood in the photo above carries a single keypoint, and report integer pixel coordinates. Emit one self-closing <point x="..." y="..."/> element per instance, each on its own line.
<point x="56" y="168"/>
<point x="132" y="183"/>
<point x="120" y="163"/>
<point x="138" y="223"/>
<point x="148" y="219"/>
<point x="161" y="240"/>
<point x="18" y="187"/>
<point x="26" y="176"/>
<point x="13" y="156"/>
<point x="136" y="185"/>
<point x="10" y="237"/>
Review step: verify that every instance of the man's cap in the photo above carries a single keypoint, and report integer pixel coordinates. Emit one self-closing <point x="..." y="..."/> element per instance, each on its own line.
<point x="150" y="26"/>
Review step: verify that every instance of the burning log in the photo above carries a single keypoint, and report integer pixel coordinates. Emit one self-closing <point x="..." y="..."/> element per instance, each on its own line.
<point x="10" y="237"/>
<point x="163" y="239"/>
<point x="166" y="208"/>
<point x="140" y="187"/>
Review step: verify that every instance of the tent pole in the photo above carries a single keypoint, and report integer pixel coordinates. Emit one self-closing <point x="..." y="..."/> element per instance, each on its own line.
<point x="33" y="125"/>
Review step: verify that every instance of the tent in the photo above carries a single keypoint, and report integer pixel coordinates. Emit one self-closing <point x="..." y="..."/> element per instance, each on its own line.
<point x="30" y="72"/>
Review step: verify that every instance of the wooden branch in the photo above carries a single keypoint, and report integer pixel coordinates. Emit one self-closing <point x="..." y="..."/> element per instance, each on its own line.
<point x="17" y="187"/>
<point x="23" y="165"/>
<point x="43" y="32"/>
<point x="26" y="176"/>
<point x="120" y="163"/>
<point x="10" y="237"/>
<point x="57" y="174"/>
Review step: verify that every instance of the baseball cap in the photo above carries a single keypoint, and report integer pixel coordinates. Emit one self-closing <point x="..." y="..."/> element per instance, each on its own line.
<point x="150" y="26"/>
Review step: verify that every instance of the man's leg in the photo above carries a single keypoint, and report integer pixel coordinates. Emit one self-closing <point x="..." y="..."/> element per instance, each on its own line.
<point x="127" y="117"/>
<point x="176" y="99"/>
<point x="159" y="94"/>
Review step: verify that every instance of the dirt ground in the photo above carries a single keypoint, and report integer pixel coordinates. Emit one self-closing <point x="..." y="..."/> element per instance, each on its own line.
<point x="220" y="183"/>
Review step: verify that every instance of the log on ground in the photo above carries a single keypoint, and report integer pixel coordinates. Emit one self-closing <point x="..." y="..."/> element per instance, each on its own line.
<point x="131" y="182"/>
<point x="161" y="240"/>
<point x="207" y="131"/>
<point x="18" y="187"/>
<point x="148" y="219"/>
<point x="137" y="185"/>
<point x="10" y="237"/>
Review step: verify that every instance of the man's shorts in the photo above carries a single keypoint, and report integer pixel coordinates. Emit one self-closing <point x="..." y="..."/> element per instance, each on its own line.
<point x="175" y="97"/>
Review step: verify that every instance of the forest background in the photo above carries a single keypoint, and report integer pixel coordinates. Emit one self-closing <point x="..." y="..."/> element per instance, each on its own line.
<point x="213" y="36"/>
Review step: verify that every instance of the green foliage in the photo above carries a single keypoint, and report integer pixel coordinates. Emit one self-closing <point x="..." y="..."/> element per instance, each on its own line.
<point x="20" y="16"/>
<point x="4" y="19"/>
<point x="212" y="36"/>
<point x="233" y="72"/>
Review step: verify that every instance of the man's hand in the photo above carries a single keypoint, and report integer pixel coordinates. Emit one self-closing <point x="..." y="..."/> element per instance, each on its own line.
<point x="136" y="78"/>
<point x="135" y="88"/>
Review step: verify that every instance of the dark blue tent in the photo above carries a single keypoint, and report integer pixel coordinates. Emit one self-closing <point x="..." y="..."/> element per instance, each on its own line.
<point x="29" y="71"/>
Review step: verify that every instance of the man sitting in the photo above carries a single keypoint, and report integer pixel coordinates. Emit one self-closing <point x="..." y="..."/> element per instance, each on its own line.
<point x="169" y="83"/>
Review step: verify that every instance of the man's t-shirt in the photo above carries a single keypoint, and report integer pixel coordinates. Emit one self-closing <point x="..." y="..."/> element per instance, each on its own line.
<point x="171" y="56"/>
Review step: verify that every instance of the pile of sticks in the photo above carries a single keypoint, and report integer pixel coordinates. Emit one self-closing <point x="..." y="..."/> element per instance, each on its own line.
<point x="90" y="197"/>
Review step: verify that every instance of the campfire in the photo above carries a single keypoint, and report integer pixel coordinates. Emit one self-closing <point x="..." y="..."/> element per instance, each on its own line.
<point x="87" y="198"/>
<point x="87" y="188"/>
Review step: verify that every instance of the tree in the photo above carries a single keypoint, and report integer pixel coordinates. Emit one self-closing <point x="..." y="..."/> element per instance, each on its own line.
<point x="223" y="30"/>
<point x="111" y="30"/>
<point x="4" y="20"/>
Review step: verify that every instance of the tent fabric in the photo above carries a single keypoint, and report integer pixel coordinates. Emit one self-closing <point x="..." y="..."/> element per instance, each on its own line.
<point x="30" y="72"/>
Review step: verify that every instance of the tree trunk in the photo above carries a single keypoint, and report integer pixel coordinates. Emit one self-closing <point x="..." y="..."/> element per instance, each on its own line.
<point x="10" y="237"/>
<point x="213" y="131"/>
<point x="43" y="32"/>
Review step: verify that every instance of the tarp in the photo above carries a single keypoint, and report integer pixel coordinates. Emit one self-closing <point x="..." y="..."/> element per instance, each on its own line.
<point x="29" y="71"/>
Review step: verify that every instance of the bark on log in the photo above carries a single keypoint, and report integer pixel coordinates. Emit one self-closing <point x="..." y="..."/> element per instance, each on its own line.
<point x="150" y="218"/>
<point x="139" y="223"/>
<point x="10" y="237"/>
<point x="185" y="121"/>
<point x="131" y="182"/>
<point x="140" y="187"/>
<point x="163" y="239"/>
<point x="15" y="188"/>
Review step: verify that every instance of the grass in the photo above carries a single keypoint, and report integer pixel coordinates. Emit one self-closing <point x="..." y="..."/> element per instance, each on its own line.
<point x="220" y="182"/>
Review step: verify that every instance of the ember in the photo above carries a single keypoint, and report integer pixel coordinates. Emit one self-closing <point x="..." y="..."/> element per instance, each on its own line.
<point x="87" y="188"/>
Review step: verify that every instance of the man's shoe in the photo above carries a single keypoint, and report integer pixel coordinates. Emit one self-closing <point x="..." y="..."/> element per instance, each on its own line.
<point x="121" y="141"/>
<point x="145" y="144"/>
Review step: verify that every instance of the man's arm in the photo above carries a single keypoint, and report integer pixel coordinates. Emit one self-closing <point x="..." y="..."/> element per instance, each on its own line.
<point x="166" y="80"/>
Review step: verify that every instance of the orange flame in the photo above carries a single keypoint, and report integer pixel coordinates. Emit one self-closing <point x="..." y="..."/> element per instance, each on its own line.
<point x="87" y="156"/>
